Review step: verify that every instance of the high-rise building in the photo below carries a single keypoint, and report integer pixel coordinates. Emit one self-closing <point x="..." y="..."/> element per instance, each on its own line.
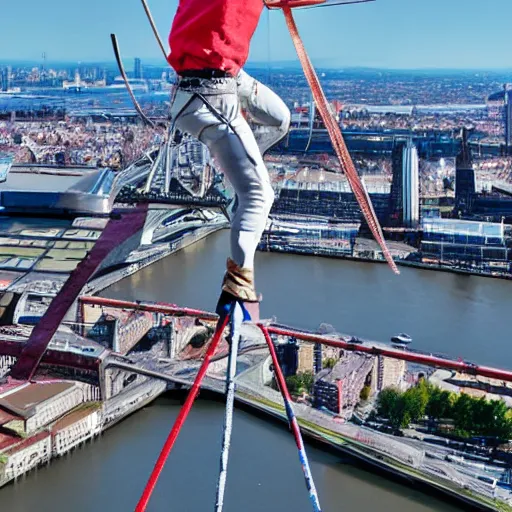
<point x="5" y="78"/>
<point x="508" y="117"/>
<point x="465" y="186"/>
<point x="9" y="77"/>
<point x="411" y="185"/>
<point x="396" y="205"/>
<point x="137" y="68"/>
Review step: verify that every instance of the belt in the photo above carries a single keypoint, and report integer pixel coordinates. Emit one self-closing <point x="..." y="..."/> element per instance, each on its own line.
<point x="204" y="73"/>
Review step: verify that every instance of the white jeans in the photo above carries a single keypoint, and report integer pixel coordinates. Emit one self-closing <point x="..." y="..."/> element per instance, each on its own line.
<point x="211" y="111"/>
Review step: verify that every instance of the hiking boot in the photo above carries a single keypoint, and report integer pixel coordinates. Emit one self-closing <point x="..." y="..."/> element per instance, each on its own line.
<point x="239" y="282"/>
<point x="238" y="285"/>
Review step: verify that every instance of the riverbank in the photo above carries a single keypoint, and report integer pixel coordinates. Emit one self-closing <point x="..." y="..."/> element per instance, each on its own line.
<point x="366" y="454"/>
<point x="399" y="262"/>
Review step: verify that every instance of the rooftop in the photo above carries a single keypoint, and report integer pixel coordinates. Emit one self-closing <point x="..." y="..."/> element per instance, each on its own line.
<point x="451" y="226"/>
<point x="74" y="417"/>
<point x="26" y="398"/>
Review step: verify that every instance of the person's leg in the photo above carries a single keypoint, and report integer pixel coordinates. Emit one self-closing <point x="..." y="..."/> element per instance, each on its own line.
<point x="235" y="150"/>
<point x="266" y="109"/>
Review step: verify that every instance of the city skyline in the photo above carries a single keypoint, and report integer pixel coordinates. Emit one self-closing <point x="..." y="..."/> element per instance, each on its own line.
<point x="448" y="36"/>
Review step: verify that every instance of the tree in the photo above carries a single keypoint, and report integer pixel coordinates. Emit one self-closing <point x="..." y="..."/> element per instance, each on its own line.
<point x="500" y="425"/>
<point x="365" y="393"/>
<point x="439" y="404"/>
<point x="416" y="400"/>
<point x="386" y="401"/>
<point x="463" y="414"/>
<point x="307" y="381"/>
<point x="293" y="383"/>
<point x="400" y="415"/>
<point x="301" y="383"/>
<point x="329" y="363"/>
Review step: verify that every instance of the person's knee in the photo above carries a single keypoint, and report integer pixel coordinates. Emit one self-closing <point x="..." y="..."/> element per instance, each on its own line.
<point x="287" y="119"/>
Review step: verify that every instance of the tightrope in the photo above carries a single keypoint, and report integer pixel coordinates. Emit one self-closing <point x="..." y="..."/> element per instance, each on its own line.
<point x="182" y="416"/>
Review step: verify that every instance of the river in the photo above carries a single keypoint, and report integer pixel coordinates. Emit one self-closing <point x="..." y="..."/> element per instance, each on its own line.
<point x="457" y="315"/>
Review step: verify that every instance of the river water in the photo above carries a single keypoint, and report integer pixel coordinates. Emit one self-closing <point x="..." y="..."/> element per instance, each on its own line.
<point x="457" y="315"/>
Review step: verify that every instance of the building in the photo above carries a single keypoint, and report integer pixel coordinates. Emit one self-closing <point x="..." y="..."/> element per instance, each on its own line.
<point x="287" y="352"/>
<point x="331" y="198"/>
<point x="301" y="234"/>
<point x="465" y="186"/>
<point x="33" y="406"/>
<point x="404" y="200"/>
<point x="396" y="205"/>
<point x="137" y="68"/>
<point x="75" y="428"/>
<point x="388" y="372"/>
<point x="5" y="78"/>
<point x="18" y="456"/>
<point x="339" y="388"/>
<point x="309" y="357"/>
<point x="508" y="117"/>
<point x="121" y="330"/>
<point x="411" y="186"/>
<point x="464" y="241"/>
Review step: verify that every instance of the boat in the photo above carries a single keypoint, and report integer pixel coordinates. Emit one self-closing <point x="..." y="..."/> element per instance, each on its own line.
<point x="402" y="339"/>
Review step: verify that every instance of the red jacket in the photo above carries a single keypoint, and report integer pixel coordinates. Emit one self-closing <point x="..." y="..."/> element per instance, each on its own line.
<point x="213" y="34"/>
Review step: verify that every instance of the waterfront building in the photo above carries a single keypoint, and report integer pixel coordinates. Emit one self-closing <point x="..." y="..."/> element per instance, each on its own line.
<point x="474" y="242"/>
<point x="387" y="372"/>
<point x="303" y="234"/>
<point x="465" y="187"/>
<point x="306" y="362"/>
<point x="313" y="195"/>
<point x="21" y="455"/>
<point x="396" y="205"/>
<point x="410" y="187"/>
<point x="404" y="200"/>
<point x="31" y="407"/>
<point x="75" y="428"/>
<point x="340" y="388"/>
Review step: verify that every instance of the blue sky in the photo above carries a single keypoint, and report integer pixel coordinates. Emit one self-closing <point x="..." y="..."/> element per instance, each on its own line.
<point x="385" y="33"/>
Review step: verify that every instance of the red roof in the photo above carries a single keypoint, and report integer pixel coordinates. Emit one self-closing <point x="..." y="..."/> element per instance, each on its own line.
<point x="7" y="440"/>
<point x="6" y="417"/>
<point x="25" y="443"/>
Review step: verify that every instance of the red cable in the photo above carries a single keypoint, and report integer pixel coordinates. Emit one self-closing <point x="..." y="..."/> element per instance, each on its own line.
<point x="347" y="165"/>
<point x="292" y="420"/>
<point x="180" y="420"/>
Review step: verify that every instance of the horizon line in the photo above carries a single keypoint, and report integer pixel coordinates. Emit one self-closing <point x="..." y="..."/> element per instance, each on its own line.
<point x="277" y="64"/>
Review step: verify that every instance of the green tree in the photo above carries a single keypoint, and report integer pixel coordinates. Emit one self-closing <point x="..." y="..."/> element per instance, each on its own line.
<point x="481" y="417"/>
<point x="293" y="383"/>
<point x="400" y="415"/>
<point x="500" y="425"/>
<point x="301" y="383"/>
<point x="386" y="401"/>
<point x="365" y="393"/>
<point x="463" y="414"/>
<point x="439" y="404"/>
<point x="416" y="400"/>
<point x="329" y="362"/>
<point x="307" y="381"/>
